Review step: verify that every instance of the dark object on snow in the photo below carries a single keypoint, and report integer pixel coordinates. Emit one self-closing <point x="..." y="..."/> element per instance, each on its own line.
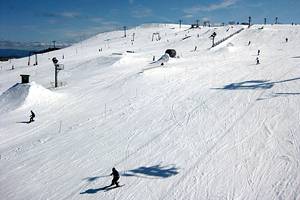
<point x="186" y="37"/>
<point x="195" y="26"/>
<point x="32" y="116"/>
<point x="156" y="36"/>
<point x="258" y="52"/>
<point x="111" y="188"/>
<point x="171" y="52"/>
<point x="117" y="54"/>
<point x="286" y="39"/>
<point x="249" y="43"/>
<point x="257" y="61"/>
<point x="116" y="177"/>
<point x="244" y="23"/>
<point x="54" y="60"/>
<point x="25" y="78"/>
<point x="214" y="34"/>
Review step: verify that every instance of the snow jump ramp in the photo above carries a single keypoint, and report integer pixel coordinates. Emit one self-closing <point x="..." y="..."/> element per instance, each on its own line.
<point x="25" y="95"/>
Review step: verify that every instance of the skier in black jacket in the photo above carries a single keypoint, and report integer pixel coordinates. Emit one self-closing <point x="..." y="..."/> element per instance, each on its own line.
<point x="32" y="116"/>
<point x="116" y="177"/>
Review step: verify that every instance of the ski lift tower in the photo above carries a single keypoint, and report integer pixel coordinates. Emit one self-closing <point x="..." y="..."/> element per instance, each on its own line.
<point x="58" y="67"/>
<point x="124" y="27"/>
<point x="249" y="21"/>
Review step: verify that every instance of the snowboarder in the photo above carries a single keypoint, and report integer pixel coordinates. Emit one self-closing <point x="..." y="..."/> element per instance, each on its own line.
<point x="32" y="116"/>
<point x="116" y="177"/>
<point x="258" y="52"/>
<point x="286" y="39"/>
<point x="249" y="43"/>
<point x="257" y="60"/>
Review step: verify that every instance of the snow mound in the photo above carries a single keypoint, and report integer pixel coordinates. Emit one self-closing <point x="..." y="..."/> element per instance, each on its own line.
<point x="226" y="48"/>
<point x="25" y="95"/>
<point x="231" y="47"/>
<point x="128" y="60"/>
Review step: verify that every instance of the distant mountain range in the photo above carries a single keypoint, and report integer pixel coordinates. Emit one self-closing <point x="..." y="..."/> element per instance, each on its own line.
<point x="14" y="53"/>
<point x="12" y="49"/>
<point x="32" y="46"/>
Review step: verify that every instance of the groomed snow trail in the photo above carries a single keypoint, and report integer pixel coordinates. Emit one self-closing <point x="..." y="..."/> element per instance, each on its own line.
<point x="208" y="125"/>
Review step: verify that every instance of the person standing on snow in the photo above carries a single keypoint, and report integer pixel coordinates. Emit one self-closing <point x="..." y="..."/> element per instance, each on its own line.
<point x="32" y="116"/>
<point x="116" y="177"/>
<point x="258" y="52"/>
<point x="257" y="60"/>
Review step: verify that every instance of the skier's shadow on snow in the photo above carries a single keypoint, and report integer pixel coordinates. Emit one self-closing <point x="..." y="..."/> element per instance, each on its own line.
<point x="248" y="85"/>
<point x="24" y="122"/>
<point x="155" y="171"/>
<point x="279" y="94"/>
<point x="254" y="84"/>
<point x="93" y="191"/>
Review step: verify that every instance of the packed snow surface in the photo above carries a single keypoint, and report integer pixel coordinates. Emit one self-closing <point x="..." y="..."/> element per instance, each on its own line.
<point x="209" y="124"/>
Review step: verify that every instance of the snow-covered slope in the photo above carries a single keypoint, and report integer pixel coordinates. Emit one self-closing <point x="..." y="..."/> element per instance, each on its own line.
<point x="210" y="124"/>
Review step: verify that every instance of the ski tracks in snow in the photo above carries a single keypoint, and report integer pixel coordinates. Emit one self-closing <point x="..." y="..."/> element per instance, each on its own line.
<point x="211" y="150"/>
<point x="219" y="146"/>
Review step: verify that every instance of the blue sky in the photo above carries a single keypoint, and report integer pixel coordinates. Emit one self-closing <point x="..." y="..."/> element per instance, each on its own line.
<point x="72" y="20"/>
